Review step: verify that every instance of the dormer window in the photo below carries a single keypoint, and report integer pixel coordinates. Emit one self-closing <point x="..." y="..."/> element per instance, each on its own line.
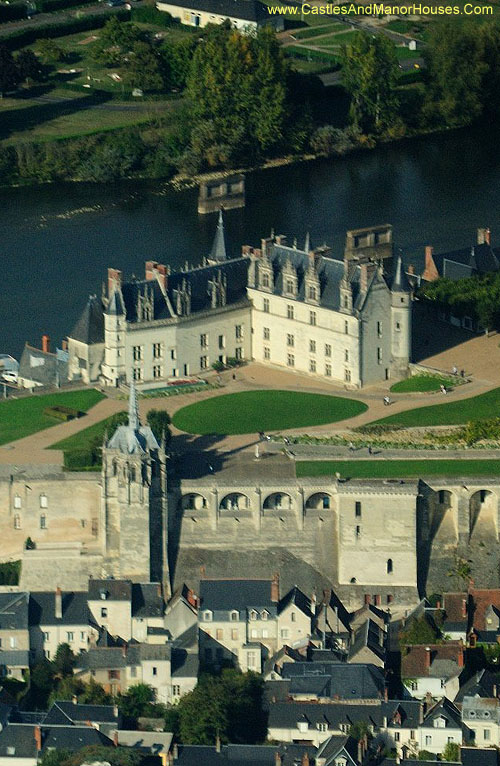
<point x="207" y="615"/>
<point x="289" y="286"/>
<point x="103" y="595"/>
<point x="302" y="725"/>
<point x="440" y="723"/>
<point x="312" y="294"/>
<point x="234" y="616"/>
<point x="264" y="615"/>
<point x="265" y="279"/>
<point x="253" y="614"/>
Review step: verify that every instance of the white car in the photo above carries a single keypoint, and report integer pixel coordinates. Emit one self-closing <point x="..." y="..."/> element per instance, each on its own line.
<point x="10" y="376"/>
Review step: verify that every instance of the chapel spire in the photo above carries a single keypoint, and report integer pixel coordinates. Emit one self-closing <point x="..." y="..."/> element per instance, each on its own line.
<point x="218" y="252"/>
<point x="133" y="409"/>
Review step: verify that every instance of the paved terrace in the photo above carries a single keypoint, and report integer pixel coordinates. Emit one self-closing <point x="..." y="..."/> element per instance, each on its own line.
<point x="479" y="356"/>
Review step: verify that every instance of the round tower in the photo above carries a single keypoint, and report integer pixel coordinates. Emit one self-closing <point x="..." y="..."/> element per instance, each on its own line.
<point x="401" y="320"/>
<point x="115" y="328"/>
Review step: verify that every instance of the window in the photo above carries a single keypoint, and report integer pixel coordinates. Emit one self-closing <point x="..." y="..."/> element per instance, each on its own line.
<point x="347" y="376"/>
<point x="312" y="365"/>
<point x="322" y="727"/>
<point x="398" y="327"/>
<point x="17" y="501"/>
<point x="312" y="318"/>
<point x="254" y="633"/>
<point x="358" y="531"/>
<point x="289" y="286"/>
<point x="379" y="329"/>
<point x="267" y="353"/>
<point x="157" y="352"/>
<point x="219" y="634"/>
<point x="389" y="566"/>
<point x="312" y="293"/>
<point x="203" y="362"/>
<point x="207" y="616"/>
<point x="222" y="341"/>
<point x="17" y="521"/>
<point x="82" y="635"/>
<point x="312" y="346"/>
<point x="253" y="614"/>
<point x="346" y="355"/>
<point x="235" y="616"/>
<point x="397" y="736"/>
<point x="104" y="612"/>
<point x="289" y="312"/>
<point x="293" y="616"/>
<point x="486" y="734"/>
<point x="379" y="355"/>
<point x="113" y="675"/>
<point x="428" y="740"/>
<point x="290" y="360"/>
<point x="204" y="340"/>
<point x="95" y="527"/>
<point x="83" y="523"/>
<point x="137" y="373"/>
<point x="251" y="659"/>
<point x="176" y="690"/>
<point x="265" y="279"/>
<point x="43" y="521"/>
<point x="155" y="671"/>
<point x="357" y="509"/>
<point x="266" y="333"/>
<point x="173" y="353"/>
<point x="265" y="305"/>
<point x="157" y="371"/>
<point x="290" y="340"/>
<point x="133" y="672"/>
<point x="412" y="734"/>
<point x="43" y="501"/>
<point x="284" y="633"/>
<point x="70" y="636"/>
<point x="346" y="327"/>
<point x="137" y="353"/>
<point x="13" y="642"/>
<point x="238" y="352"/>
<point x="328" y="349"/>
<point x="234" y="634"/>
<point x="238" y="331"/>
<point x="328" y="370"/>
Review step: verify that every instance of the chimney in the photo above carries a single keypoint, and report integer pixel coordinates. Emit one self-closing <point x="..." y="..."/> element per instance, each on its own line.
<point x="430" y="271"/>
<point x="217" y="744"/>
<point x="265" y="246"/>
<point x="438" y="604"/>
<point x="124" y="650"/>
<point x="275" y="588"/>
<point x="175" y="751"/>
<point x="114" y="278"/>
<point x="150" y="270"/>
<point x="386" y="694"/>
<point x="74" y="699"/>
<point x="494" y="690"/>
<point x="483" y="237"/>
<point x="58" y="604"/>
<point x="305" y="760"/>
<point x="421" y="713"/>
<point x="428" y="701"/>
<point x="277" y="759"/>
<point x="115" y="711"/>
<point x="460" y="657"/>
<point x="411" y="268"/>
<point x="162" y="276"/>
<point x="464" y="607"/>
<point x="365" y="273"/>
<point x="45" y="344"/>
<point x="38" y="738"/>
<point x="64" y="344"/>
<point x="368" y="599"/>
<point x="427" y="660"/>
<point x="281" y="240"/>
<point x="115" y="739"/>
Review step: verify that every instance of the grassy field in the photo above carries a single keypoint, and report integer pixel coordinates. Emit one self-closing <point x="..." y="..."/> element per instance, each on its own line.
<point x="254" y="411"/>
<point x="305" y="34"/>
<point x="479" y="407"/>
<point x="84" y="439"/>
<point x="397" y="469"/>
<point x="335" y="41"/>
<point x="423" y="383"/>
<point x="22" y="417"/>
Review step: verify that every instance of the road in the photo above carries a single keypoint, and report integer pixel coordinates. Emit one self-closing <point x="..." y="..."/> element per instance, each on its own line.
<point x="42" y="19"/>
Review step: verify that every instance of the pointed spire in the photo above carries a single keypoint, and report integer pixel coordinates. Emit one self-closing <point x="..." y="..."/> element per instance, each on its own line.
<point x="218" y="252"/>
<point x="400" y="282"/>
<point x="133" y="409"/>
<point x="307" y="245"/>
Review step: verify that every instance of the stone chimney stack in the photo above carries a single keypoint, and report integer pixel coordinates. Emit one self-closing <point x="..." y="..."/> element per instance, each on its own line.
<point x="427" y="659"/>
<point x="430" y="271"/>
<point x="114" y="278"/>
<point x="275" y="588"/>
<point x="277" y="759"/>
<point x="483" y="237"/>
<point x="38" y="738"/>
<point x="58" y="604"/>
<point x="46" y="343"/>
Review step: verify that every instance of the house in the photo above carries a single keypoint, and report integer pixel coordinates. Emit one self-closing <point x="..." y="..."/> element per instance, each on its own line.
<point x="41" y="367"/>
<point x="340" y="751"/>
<point x="333" y="620"/>
<point x="104" y="718"/>
<point x="456" y="617"/>
<point x="484" y="683"/>
<point x="181" y="612"/>
<point x="295" y="618"/>
<point x="481" y="258"/>
<point x="335" y="681"/>
<point x="401" y="721"/>
<point x="241" y="755"/>
<point x="442" y="724"/>
<point x="482" y="716"/>
<point x="368" y="644"/>
<point x="484" y="615"/>
<point x="119" y="668"/>
<point x="156" y="743"/>
<point x="56" y="618"/>
<point x="245" y="15"/>
<point x="433" y="669"/>
<point x="238" y="621"/>
<point x="312" y="723"/>
<point x="86" y="343"/>
<point x="22" y="744"/>
<point x="14" y="634"/>
<point x="110" y="603"/>
<point x="273" y="666"/>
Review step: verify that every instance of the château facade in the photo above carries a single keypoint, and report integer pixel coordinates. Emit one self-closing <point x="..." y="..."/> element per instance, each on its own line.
<point x="344" y="320"/>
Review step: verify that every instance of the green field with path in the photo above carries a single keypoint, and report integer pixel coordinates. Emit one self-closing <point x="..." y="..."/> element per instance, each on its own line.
<point x="397" y="469"/>
<point x="481" y="407"/>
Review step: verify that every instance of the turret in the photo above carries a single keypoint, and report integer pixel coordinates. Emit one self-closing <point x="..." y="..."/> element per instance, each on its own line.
<point x="115" y="326"/>
<point x="218" y="251"/>
<point x="401" y="315"/>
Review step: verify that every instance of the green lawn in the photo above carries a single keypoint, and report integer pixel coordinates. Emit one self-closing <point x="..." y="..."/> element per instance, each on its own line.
<point x="335" y="40"/>
<point x="305" y="34"/>
<point x="423" y="383"/>
<point x="479" y="407"/>
<point x="22" y="417"/>
<point x="84" y="439"/>
<point x="397" y="469"/>
<point x="254" y="411"/>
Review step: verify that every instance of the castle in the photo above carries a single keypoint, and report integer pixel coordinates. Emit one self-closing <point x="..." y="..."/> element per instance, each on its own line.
<point x="342" y="320"/>
<point x="382" y="541"/>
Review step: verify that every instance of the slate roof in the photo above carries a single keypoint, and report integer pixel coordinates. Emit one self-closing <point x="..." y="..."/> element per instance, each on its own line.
<point x="335" y="603"/>
<point x="14" y="611"/>
<point x="243" y="755"/>
<point x="90" y="326"/>
<point x="18" y="739"/>
<point x="43" y="367"/>
<point x="247" y="10"/>
<point x="481" y="684"/>
<point x="335" y="745"/>
<point x="446" y="660"/>
<point x="457" y="264"/>
<point x="63" y="712"/>
<point x="240" y="595"/>
<point x="115" y="590"/>
<point x="285" y="715"/>
<point x="218" y="252"/>
<point x="346" y="681"/>
<point x="481" y="601"/>
<point x="150" y="741"/>
<point x="21" y="737"/>
<point x="446" y="709"/>
<point x="75" y="610"/>
<point x="123" y="656"/>
<point x="479" y="756"/>
<point x="295" y="596"/>
<point x="453" y="606"/>
<point x="15" y="658"/>
<point x="400" y="282"/>
<point x="369" y="636"/>
<point x="134" y="437"/>
<point x="147" y="600"/>
<point x="407" y="710"/>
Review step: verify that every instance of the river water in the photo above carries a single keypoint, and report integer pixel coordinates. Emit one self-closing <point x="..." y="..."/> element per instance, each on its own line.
<point x="56" y="241"/>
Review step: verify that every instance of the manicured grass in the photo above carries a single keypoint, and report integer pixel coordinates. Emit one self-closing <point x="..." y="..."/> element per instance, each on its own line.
<point x="479" y="407"/>
<point x="422" y="383"/>
<point x="84" y="439"/>
<point x="305" y="34"/>
<point x="397" y="469"/>
<point x="22" y="417"/>
<point x="253" y="411"/>
<point x="335" y="40"/>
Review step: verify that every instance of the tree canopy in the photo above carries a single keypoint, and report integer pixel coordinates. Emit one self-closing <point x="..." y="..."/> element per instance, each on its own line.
<point x="477" y="297"/>
<point x="10" y="76"/>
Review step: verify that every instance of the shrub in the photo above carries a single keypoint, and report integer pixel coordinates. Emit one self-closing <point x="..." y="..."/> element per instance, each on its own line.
<point x="12" y="12"/>
<point x="328" y="140"/>
<point x="76" y="460"/>
<point x="23" y="37"/>
<point x="9" y="573"/>
<point x="148" y="14"/>
<point x="61" y="413"/>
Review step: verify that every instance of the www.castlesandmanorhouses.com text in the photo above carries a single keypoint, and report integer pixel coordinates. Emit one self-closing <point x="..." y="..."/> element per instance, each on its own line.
<point x="379" y="9"/>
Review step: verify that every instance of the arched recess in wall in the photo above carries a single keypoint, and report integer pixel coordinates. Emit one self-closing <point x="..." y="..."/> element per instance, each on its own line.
<point x="193" y="502"/>
<point x="319" y="501"/>
<point x="443" y="518"/>
<point x="235" y="501"/>
<point x="483" y="512"/>
<point x="278" y="501"/>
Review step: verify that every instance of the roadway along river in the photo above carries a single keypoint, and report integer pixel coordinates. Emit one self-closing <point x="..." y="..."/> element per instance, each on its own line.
<point x="58" y="240"/>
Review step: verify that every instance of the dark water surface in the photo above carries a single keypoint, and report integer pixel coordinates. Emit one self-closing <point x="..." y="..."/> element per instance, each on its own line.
<point x="57" y="241"/>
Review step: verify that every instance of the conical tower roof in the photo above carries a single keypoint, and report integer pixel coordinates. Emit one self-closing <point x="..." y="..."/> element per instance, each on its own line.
<point x="400" y="282"/>
<point x="218" y="251"/>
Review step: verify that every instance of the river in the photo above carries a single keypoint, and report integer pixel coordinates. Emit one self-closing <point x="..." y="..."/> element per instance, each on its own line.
<point x="58" y="240"/>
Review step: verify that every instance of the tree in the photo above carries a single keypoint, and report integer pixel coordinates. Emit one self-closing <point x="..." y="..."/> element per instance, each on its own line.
<point x="490" y="87"/>
<point x="420" y="631"/>
<point x="455" y="72"/>
<point x="177" y="58"/>
<point x="139" y="700"/>
<point x="145" y="68"/>
<point x="9" y="71"/>
<point x="116" y="39"/>
<point x="94" y="694"/>
<point x="451" y="752"/>
<point x="64" y="661"/>
<point x="49" y="51"/>
<point x="53" y="757"/>
<point x="29" y="66"/>
<point x="461" y="570"/>
<point x="370" y="74"/>
<point x="159" y="421"/>
<point x="425" y="755"/>
<point x="115" y="756"/>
